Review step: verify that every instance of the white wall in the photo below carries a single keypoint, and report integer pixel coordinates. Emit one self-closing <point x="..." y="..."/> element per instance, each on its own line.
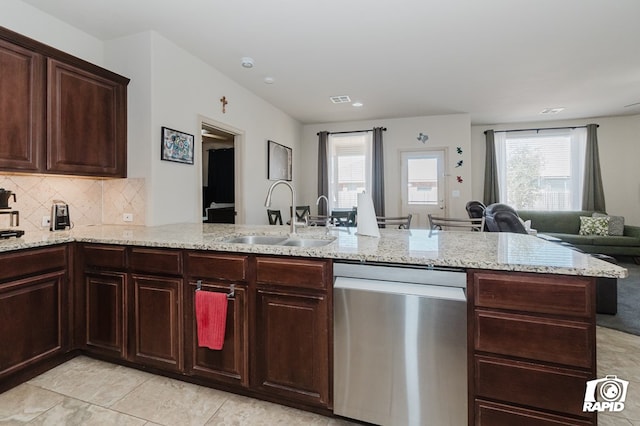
<point x="445" y="131"/>
<point x="619" y="148"/>
<point x="31" y="22"/>
<point x="172" y="88"/>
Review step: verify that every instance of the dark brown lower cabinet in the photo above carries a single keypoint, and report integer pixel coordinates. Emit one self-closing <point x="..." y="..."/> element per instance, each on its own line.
<point x="230" y="364"/>
<point x="291" y="346"/>
<point x="531" y="343"/>
<point x="33" y="320"/>
<point x="106" y="326"/>
<point x="156" y="323"/>
<point x="34" y="307"/>
<point x="293" y="329"/>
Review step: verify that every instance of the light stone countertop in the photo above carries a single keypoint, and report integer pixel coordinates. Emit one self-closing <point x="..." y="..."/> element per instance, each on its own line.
<point x="478" y="250"/>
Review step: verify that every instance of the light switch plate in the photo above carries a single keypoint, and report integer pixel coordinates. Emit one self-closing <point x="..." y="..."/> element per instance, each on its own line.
<point x="455" y="193"/>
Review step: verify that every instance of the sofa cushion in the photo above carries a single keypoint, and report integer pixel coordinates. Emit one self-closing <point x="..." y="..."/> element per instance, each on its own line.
<point x="573" y="238"/>
<point x="616" y="223"/>
<point x="594" y="225"/>
<point x="565" y="222"/>
<point x="616" y="241"/>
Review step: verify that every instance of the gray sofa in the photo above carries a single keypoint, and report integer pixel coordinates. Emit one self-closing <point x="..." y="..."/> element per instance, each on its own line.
<point x="566" y="226"/>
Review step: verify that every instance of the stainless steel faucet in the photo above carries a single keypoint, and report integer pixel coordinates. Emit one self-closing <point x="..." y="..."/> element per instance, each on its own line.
<point x="267" y="202"/>
<point x="328" y="219"/>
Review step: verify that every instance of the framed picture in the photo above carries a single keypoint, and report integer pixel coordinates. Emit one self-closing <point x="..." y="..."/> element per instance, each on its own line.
<point x="177" y="146"/>
<point x="279" y="160"/>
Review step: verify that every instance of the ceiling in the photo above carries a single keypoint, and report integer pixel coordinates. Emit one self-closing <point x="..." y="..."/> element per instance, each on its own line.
<point x="498" y="60"/>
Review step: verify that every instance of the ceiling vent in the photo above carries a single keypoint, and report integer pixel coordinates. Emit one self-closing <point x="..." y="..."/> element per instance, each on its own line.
<point x="340" y="99"/>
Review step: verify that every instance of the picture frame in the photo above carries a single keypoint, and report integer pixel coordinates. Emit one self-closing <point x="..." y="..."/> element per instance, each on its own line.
<point x="177" y="146"/>
<point x="280" y="161"/>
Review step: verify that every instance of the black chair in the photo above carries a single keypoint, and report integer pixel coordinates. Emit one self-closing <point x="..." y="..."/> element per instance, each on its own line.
<point x="301" y="212"/>
<point x="275" y="218"/>
<point x="344" y="217"/>
<point x="475" y="209"/>
<point x="503" y="218"/>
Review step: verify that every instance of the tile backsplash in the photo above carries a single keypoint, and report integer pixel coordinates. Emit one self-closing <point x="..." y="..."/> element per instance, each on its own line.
<point x="91" y="201"/>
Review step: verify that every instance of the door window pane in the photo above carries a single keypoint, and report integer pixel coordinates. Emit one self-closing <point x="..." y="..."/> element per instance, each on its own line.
<point x="422" y="181"/>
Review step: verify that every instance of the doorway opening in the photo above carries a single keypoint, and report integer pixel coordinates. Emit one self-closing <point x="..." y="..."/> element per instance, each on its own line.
<point x="219" y="174"/>
<point x="423" y="185"/>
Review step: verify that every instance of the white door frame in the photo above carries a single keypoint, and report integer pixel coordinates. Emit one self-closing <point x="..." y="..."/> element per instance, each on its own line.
<point x="443" y="178"/>
<point x="238" y="145"/>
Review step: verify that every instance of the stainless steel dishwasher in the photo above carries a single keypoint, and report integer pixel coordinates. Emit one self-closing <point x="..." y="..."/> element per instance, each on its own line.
<point x="400" y="345"/>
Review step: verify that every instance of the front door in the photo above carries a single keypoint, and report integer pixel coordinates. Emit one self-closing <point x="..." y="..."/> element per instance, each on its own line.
<point x="423" y="185"/>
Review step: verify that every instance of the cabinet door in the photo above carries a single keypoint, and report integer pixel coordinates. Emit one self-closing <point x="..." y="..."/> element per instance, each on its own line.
<point x="33" y="320"/>
<point x="105" y="307"/>
<point x="156" y="335"/>
<point x="291" y="356"/>
<point x="22" y="108"/>
<point x="229" y="365"/>
<point x="86" y="126"/>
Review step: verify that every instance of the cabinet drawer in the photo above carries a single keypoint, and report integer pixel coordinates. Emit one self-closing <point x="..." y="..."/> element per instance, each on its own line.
<point x="110" y="257"/>
<point x="293" y="272"/>
<point x="217" y="266"/>
<point x="552" y="340"/>
<point x="561" y="295"/>
<point x="492" y="414"/>
<point x="155" y="261"/>
<point x="29" y="262"/>
<point x="532" y="385"/>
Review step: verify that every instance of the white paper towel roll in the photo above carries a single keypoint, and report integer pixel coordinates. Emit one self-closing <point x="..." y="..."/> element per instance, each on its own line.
<point x="367" y="223"/>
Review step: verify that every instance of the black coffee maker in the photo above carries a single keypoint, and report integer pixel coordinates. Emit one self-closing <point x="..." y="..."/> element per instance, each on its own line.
<point x="5" y="196"/>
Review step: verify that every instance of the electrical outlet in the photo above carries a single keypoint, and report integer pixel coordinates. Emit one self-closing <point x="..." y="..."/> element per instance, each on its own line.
<point x="127" y="217"/>
<point x="46" y="221"/>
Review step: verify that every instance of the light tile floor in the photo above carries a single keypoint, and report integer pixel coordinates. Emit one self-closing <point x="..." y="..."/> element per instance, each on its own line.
<point x="85" y="391"/>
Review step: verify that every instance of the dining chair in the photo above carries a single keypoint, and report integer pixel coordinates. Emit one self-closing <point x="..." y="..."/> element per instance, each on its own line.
<point x="302" y="212"/>
<point x="344" y="217"/>
<point x="275" y="218"/>
<point x="446" y="223"/>
<point x="403" y="222"/>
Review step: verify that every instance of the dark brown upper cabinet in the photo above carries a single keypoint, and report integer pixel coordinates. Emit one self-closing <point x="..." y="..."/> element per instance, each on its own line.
<point x="58" y="113"/>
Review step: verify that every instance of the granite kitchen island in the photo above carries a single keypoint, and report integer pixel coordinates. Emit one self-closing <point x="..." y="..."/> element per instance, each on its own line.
<point x="125" y="294"/>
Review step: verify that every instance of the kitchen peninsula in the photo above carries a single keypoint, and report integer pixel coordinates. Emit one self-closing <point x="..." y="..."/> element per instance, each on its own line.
<point x="125" y="294"/>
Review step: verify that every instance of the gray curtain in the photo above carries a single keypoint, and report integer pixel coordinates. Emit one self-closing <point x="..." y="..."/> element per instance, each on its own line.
<point x="592" y="192"/>
<point x="491" y="189"/>
<point x="323" y="170"/>
<point x="377" y="186"/>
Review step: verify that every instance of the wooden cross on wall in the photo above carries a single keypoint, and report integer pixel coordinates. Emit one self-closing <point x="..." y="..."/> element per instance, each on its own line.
<point x="223" y="101"/>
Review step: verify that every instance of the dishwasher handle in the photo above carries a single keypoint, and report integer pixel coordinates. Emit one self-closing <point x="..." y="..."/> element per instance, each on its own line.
<point x="404" y="289"/>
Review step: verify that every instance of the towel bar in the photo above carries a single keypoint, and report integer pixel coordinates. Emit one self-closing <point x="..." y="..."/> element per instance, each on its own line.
<point x="230" y="295"/>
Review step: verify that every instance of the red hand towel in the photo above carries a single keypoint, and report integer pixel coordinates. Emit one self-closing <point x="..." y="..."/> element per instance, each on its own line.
<point x="211" y="318"/>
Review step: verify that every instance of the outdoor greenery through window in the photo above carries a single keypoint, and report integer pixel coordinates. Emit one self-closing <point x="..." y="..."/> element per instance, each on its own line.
<point x="541" y="170"/>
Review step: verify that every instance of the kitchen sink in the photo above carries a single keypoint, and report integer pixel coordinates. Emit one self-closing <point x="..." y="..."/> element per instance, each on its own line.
<point x="257" y="239"/>
<point x="280" y="241"/>
<point x="306" y="242"/>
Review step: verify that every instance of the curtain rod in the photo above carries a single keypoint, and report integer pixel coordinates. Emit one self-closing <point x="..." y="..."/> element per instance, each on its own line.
<point x="537" y="130"/>
<point x="384" y="129"/>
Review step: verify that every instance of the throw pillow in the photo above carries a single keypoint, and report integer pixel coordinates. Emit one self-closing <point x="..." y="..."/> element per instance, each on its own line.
<point x="616" y="224"/>
<point x="594" y="226"/>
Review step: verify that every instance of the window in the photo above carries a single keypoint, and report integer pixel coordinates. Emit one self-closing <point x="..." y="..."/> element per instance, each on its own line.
<point x="541" y="170"/>
<point x="349" y="168"/>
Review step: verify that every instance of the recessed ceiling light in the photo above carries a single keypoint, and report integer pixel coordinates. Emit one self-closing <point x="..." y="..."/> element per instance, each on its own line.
<point x="340" y="99"/>
<point x="247" y="62"/>
<point x="552" y="110"/>
<point x="357" y="104"/>
<point x="268" y="80"/>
